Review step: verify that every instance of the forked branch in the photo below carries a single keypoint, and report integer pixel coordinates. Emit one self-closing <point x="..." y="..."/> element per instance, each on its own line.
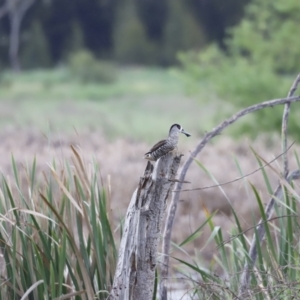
<point x="285" y="118"/>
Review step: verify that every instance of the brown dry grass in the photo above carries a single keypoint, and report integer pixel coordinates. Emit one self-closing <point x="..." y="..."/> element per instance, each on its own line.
<point x="121" y="161"/>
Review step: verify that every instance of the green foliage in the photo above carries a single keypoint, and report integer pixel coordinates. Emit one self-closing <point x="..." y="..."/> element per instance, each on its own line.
<point x="56" y="238"/>
<point x="87" y="69"/>
<point x="262" y="56"/>
<point x="131" y="44"/>
<point x="35" y="53"/>
<point x="181" y="32"/>
<point x="267" y="35"/>
<point x="234" y="78"/>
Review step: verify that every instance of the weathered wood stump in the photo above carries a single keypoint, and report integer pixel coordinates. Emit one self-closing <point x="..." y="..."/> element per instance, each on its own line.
<point x="135" y="273"/>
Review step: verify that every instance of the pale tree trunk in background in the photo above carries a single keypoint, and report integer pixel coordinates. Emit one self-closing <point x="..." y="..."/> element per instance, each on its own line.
<point x="16" y="10"/>
<point x="3" y="10"/>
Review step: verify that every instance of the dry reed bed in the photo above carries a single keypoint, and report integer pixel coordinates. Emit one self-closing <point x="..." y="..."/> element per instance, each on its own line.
<point x="121" y="165"/>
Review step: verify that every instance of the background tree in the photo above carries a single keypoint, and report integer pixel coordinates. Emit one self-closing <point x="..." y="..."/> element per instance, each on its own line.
<point x="131" y="44"/>
<point x="3" y="10"/>
<point x="153" y="14"/>
<point x="217" y="16"/>
<point x="97" y="25"/>
<point x="181" y="32"/>
<point x="16" y="10"/>
<point x="35" y="52"/>
<point x="76" y="41"/>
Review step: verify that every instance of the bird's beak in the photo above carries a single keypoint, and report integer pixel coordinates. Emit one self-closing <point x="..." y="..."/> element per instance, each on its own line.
<point x="184" y="132"/>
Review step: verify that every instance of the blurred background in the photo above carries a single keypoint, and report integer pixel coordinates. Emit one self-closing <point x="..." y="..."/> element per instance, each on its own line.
<point x="112" y="76"/>
<point x="103" y="64"/>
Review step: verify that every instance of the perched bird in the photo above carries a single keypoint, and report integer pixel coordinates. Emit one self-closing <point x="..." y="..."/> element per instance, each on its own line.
<point x="165" y="146"/>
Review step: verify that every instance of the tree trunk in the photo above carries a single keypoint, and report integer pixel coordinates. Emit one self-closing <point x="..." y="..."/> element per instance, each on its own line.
<point x="3" y="10"/>
<point x="16" y="10"/>
<point x="14" y="38"/>
<point x="135" y="273"/>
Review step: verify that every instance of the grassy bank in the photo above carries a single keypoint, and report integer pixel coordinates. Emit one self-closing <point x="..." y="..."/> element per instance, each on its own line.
<point x="141" y="104"/>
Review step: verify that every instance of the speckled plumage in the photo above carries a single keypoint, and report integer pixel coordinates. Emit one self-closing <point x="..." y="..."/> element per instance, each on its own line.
<point x="165" y="146"/>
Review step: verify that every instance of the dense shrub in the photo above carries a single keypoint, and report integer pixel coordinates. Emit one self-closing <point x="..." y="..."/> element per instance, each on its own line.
<point x="86" y="68"/>
<point x="234" y="78"/>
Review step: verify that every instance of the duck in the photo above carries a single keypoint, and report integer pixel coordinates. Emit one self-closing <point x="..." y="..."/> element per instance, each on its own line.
<point x="167" y="145"/>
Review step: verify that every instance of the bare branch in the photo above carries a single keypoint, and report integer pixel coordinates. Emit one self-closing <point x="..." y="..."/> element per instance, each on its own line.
<point x="294" y="86"/>
<point x="236" y="179"/>
<point x="252" y="227"/>
<point x="245" y="278"/>
<point x="175" y="199"/>
<point x="285" y="118"/>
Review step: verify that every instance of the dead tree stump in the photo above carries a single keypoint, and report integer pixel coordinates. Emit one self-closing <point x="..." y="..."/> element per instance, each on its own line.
<point x="135" y="273"/>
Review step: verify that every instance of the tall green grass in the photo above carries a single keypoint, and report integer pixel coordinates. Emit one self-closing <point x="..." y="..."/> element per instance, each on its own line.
<point x="275" y="273"/>
<point x="57" y="242"/>
<point x="55" y="234"/>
